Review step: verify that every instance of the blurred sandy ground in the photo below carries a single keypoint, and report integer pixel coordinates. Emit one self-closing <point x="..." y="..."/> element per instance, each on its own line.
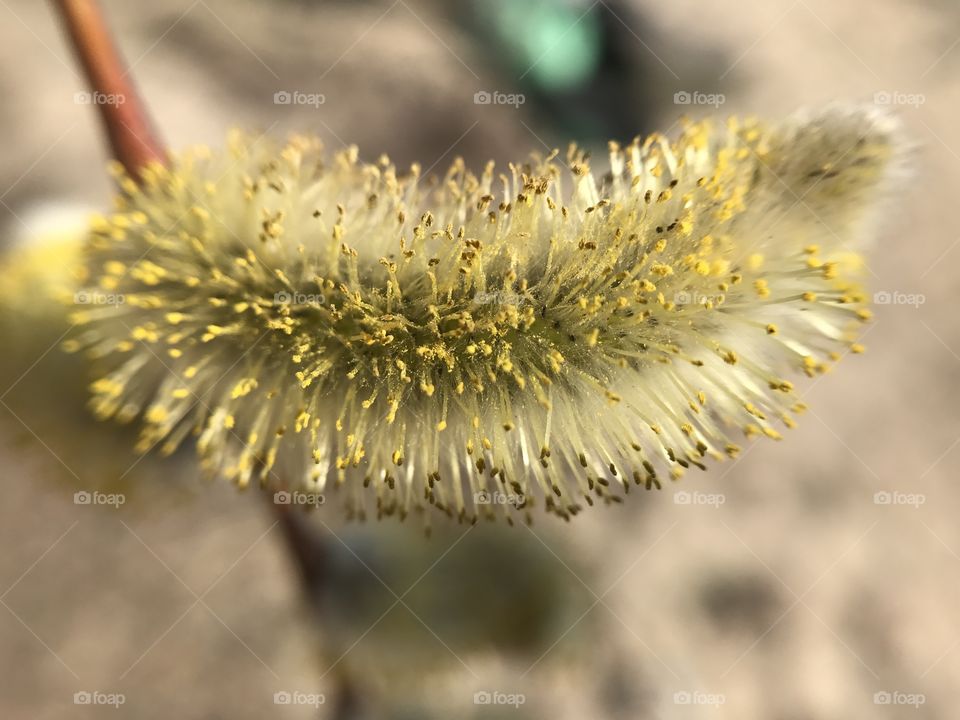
<point x="797" y="599"/>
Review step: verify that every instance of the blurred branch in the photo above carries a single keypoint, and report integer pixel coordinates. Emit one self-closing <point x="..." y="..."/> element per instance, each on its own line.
<point x="308" y="551"/>
<point x="133" y="140"/>
<point x="306" y="548"/>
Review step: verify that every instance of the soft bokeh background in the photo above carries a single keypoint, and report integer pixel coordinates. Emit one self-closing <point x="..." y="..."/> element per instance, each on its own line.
<point x="803" y="596"/>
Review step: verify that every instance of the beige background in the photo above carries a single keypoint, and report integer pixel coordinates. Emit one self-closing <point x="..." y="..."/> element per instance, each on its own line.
<point x="798" y="599"/>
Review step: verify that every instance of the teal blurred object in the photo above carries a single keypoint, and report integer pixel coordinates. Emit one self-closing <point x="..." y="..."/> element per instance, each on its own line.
<point x="585" y="73"/>
<point x="559" y="42"/>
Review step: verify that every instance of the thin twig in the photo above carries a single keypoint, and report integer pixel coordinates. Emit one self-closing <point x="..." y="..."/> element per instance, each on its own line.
<point x="133" y="140"/>
<point x="307" y="550"/>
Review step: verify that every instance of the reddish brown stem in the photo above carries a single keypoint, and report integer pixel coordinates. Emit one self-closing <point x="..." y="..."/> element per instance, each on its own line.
<point x="133" y="140"/>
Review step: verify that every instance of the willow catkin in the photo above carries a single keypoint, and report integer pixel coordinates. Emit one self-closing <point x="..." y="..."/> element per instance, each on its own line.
<point x="484" y="343"/>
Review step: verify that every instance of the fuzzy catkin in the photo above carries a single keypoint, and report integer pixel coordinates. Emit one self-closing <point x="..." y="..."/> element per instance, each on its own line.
<point x="484" y="343"/>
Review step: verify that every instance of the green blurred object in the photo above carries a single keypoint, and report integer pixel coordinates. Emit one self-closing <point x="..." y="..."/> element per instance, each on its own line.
<point x="558" y="44"/>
